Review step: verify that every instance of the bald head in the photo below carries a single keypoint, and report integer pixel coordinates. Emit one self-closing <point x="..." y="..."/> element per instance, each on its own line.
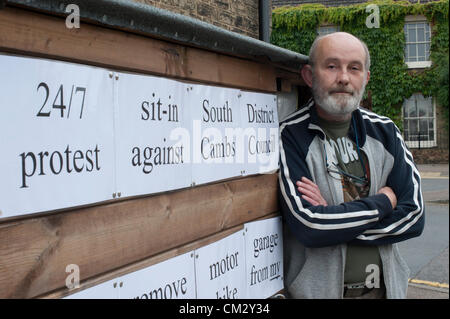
<point x="337" y="73"/>
<point x="342" y="37"/>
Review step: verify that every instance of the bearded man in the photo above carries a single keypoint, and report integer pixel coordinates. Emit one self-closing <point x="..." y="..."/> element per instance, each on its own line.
<point x="349" y="188"/>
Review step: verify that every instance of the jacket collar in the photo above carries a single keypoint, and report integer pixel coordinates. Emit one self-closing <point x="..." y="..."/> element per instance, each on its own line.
<point x="356" y="120"/>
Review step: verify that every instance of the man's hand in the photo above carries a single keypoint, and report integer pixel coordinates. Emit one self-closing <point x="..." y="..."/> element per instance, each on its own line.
<point x="390" y="194"/>
<point x="311" y="192"/>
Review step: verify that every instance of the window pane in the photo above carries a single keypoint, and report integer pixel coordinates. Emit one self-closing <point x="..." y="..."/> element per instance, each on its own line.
<point x="412" y="52"/>
<point x="430" y="107"/>
<point x="420" y="35"/>
<point x="421" y="52"/>
<point x="425" y="106"/>
<point x="407" y="59"/>
<point x="431" y="113"/>
<point x="411" y="27"/>
<point x="411" y="36"/>
<point x="431" y="132"/>
<point x="413" y="127"/>
<point x="408" y="106"/>
<point x="412" y="109"/>
<point x="422" y="108"/>
<point x="423" y="127"/>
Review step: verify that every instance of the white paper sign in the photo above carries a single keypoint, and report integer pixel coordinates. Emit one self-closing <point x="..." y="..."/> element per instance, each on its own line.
<point x="106" y="290"/>
<point x="215" y="119"/>
<point x="171" y="279"/>
<point x="264" y="257"/>
<point x="260" y="132"/>
<point x="152" y="134"/>
<point x="220" y="269"/>
<point x="247" y="264"/>
<point x="56" y="135"/>
<point x="73" y="135"/>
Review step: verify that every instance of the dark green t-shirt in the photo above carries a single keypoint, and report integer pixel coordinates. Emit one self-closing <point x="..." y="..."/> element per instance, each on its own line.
<point x="347" y="160"/>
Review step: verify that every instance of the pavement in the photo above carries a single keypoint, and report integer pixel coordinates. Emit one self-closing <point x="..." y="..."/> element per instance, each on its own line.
<point x="427" y="289"/>
<point x="435" y="171"/>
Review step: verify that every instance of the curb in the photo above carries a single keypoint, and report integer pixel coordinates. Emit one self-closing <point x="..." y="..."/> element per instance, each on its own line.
<point x="438" y="201"/>
<point x="429" y="284"/>
<point x="426" y="287"/>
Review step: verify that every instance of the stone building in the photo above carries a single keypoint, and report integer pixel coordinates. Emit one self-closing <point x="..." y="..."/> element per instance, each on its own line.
<point x="234" y="15"/>
<point x="425" y="127"/>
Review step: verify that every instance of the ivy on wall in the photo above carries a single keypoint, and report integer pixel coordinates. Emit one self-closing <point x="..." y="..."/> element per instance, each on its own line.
<point x="295" y="28"/>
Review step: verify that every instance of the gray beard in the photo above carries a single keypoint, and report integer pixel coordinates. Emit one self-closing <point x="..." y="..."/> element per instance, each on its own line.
<point x="337" y="105"/>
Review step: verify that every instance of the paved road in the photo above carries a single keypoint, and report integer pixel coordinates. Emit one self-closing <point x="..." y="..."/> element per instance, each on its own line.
<point x="427" y="255"/>
<point x="420" y="251"/>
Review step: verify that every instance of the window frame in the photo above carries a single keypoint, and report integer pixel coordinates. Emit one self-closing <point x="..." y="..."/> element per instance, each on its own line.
<point x="417" y="64"/>
<point x="415" y="143"/>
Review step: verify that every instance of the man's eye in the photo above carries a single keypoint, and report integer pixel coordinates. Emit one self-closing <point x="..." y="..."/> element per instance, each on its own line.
<point x="331" y="66"/>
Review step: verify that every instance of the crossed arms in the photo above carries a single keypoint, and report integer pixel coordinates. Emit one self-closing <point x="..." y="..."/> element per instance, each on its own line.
<point x="395" y="213"/>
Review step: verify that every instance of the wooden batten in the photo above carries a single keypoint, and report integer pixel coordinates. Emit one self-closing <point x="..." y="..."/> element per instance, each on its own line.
<point x="47" y="36"/>
<point x="61" y="293"/>
<point x="34" y="252"/>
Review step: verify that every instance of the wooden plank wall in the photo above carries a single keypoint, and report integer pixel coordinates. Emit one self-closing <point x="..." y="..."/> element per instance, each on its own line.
<point x="41" y="35"/>
<point x="111" y="239"/>
<point x="34" y="252"/>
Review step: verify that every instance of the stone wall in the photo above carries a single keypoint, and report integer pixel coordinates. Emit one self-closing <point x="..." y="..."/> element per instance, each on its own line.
<point x="430" y="156"/>
<point x="234" y="15"/>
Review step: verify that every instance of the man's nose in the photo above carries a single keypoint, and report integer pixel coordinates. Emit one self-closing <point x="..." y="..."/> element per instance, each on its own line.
<point x="343" y="77"/>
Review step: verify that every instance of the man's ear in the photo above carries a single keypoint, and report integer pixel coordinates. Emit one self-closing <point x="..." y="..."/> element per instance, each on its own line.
<point x="306" y="73"/>
<point x="368" y="77"/>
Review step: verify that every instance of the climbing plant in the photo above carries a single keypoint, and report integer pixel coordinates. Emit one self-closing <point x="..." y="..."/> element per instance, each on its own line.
<point x="295" y="28"/>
